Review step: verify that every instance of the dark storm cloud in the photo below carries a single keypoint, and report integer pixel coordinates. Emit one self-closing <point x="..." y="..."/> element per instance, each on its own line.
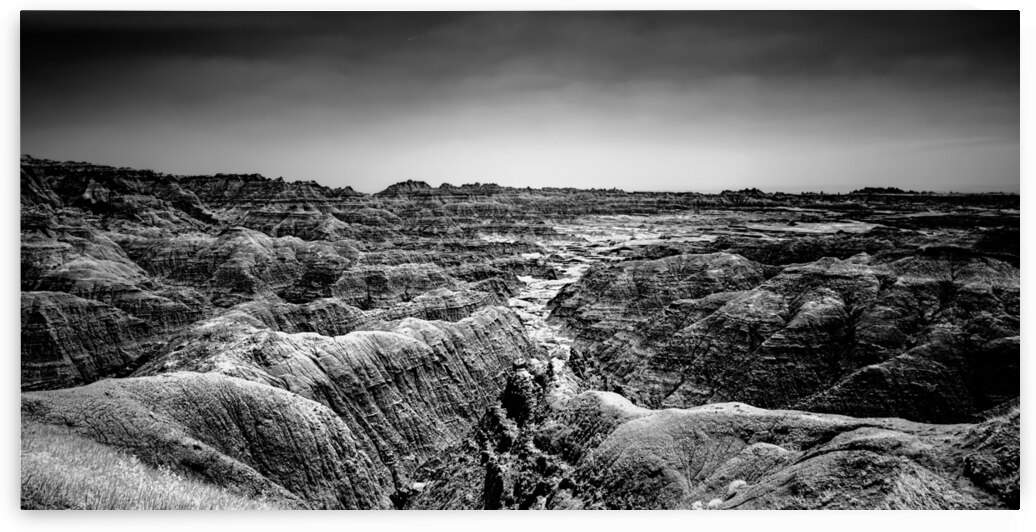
<point x="631" y="99"/>
<point x="765" y="43"/>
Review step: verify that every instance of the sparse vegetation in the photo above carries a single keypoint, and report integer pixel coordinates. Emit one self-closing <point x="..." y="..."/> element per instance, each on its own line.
<point x="912" y="492"/>
<point x="714" y="504"/>
<point x="61" y="470"/>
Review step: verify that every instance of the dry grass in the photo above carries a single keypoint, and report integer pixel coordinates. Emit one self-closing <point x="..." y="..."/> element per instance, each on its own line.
<point x="912" y="492"/>
<point x="61" y="470"/>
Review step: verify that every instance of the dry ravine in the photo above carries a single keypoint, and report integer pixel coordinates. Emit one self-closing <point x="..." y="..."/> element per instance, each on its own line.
<point x="290" y="345"/>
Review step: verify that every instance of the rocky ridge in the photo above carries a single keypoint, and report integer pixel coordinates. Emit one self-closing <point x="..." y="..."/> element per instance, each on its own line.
<point x="234" y="326"/>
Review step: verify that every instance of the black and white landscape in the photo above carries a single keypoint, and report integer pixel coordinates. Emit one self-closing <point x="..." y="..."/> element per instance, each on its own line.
<point x="702" y="260"/>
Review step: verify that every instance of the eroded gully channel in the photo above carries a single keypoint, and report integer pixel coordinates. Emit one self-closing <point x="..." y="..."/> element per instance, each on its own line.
<point x="582" y="244"/>
<point x="598" y="239"/>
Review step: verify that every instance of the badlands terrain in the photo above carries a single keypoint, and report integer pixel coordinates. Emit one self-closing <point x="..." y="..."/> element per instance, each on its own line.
<point x="289" y="345"/>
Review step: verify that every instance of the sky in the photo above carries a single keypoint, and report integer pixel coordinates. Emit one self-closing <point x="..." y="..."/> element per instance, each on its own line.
<point x="673" y="101"/>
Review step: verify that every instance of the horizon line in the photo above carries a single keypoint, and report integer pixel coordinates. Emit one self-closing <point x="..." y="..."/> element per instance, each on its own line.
<point x="491" y="183"/>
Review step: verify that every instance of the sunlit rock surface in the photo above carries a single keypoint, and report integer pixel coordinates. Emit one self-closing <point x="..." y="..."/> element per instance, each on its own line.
<point x="596" y="450"/>
<point x="931" y="336"/>
<point x="479" y="346"/>
<point x="251" y="438"/>
<point x="407" y="389"/>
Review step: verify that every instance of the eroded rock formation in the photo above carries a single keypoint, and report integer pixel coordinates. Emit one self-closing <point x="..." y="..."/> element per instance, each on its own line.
<point x="251" y="438"/>
<point x="934" y="331"/>
<point x="407" y="389"/>
<point x="596" y="450"/>
<point x="480" y="346"/>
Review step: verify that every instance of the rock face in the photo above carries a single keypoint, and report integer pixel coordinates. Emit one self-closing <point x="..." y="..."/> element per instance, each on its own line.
<point x="784" y="459"/>
<point x="480" y="346"/>
<point x="253" y="439"/>
<point x="597" y="450"/>
<point x="406" y="187"/>
<point x="931" y="336"/>
<point x="68" y="340"/>
<point x="407" y="391"/>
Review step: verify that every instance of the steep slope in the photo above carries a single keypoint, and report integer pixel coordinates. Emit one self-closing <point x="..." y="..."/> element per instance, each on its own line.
<point x="68" y="340"/>
<point x="253" y="439"/>
<point x="322" y="348"/>
<point x="407" y="389"/>
<point x="596" y="450"/>
<point x="931" y="336"/>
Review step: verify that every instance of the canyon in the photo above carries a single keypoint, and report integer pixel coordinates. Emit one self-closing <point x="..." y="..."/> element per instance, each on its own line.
<point x="488" y="347"/>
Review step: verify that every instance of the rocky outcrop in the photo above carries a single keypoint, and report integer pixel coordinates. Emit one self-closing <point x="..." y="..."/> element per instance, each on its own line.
<point x="860" y="336"/>
<point x="406" y="391"/>
<point x="304" y="224"/>
<point x="597" y="450"/>
<point x="444" y="304"/>
<point x="319" y="347"/>
<point x="67" y="340"/>
<point x="991" y="455"/>
<point x="35" y="191"/>
<point x="327" y="317"/>
<point x="334" y="317"/>
<point x="140" y="196"/>
<point x="253" y="439"/>
<point x="730" y="456"/>
<point x="606" y="300"/>
<point x="125" y="287"/>
<point x="87" y="309"/>
<point x="241" y="264"/>
<point x="371" y="287"/>
<point x="406" y="187"/>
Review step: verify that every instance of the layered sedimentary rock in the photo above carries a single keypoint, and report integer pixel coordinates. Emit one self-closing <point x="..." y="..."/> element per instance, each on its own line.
<point x="90" y="185"/>
<point x="731" y="455"/>
<point x="67" y="340"/>
<point x="596" y="450"/>
<point x="251" y="438"/>
<point x="326" y="348"/>
<point x="237" y="263"/>
<point x="448" y="305"/>
<point x="88" y="309"/>
<point x="610" y="299"/>
<point x="930" y="336"/>
<point x="407" y="390"/>
<point x="378" y="286"/>
<point x="327" y="317"/>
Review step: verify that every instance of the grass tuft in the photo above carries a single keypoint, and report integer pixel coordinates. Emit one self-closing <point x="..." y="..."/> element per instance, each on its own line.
<point x="61" y="470"/>
<point x="913" y="492"/>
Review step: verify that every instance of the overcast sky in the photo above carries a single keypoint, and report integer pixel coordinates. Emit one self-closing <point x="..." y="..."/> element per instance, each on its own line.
<point x="636" y="100"/>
